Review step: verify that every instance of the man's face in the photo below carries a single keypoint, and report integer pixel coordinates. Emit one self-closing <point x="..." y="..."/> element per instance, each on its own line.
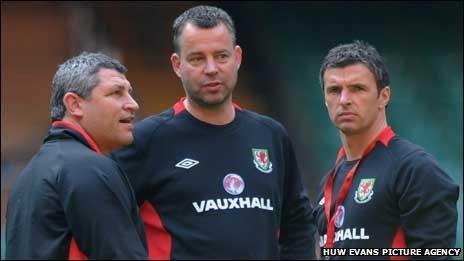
<point x="352" y="98"/>
<point x="207" y="64"/>
<point x="109" y="111"/>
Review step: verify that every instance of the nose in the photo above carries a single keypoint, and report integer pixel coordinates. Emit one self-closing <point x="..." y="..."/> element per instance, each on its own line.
<point x="131" y="104"/>
<point x="211" y="67"/>
<point x="345" y="97"/>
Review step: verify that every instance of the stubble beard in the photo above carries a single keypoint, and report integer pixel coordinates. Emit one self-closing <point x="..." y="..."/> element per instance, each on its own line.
<point x="204" y="102"/>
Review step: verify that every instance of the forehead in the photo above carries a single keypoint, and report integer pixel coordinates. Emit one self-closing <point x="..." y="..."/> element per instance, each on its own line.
<point x="194" y="38"/>
<point x="111" y="76"/>
<point x="350" y="74"/>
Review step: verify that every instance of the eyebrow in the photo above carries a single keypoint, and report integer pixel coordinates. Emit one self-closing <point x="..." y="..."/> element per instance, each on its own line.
<point x="194" y="53"/>
<point x="123" y="87"/>
<point x="352" y="84"/>
<point x="222" y="51"/>
<point x="358" y="85"/>
<point x="215" y="52"/>
<point x="333" y="86"/>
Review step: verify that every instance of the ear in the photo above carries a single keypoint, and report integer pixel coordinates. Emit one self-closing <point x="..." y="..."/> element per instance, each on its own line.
<point x="73" y="104"/>
<point x="384" y="97"/>
<point x="238" y="56"/>
<point x="175" y="62"/>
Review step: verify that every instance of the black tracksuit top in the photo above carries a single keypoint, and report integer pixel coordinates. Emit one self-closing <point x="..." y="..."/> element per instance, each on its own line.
<point x="399" y="197"/>
<point x="70" y="191"/>
<point x="207" y="191"/>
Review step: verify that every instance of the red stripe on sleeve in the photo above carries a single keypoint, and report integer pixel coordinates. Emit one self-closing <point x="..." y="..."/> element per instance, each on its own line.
<point x="74" y="252"/>
<point x="399" y="241"/>
<point x="159" y="241"/>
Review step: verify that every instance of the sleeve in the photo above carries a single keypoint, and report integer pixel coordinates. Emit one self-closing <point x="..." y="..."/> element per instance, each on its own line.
<point x="297" y="230"/>
<point x="135" y="159"/>
<point x="427" y="199"/>
<point x="101" y="212"/>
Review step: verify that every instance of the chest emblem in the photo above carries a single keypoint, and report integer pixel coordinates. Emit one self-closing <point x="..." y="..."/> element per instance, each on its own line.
<point x="233" y="184"/>
<point x="261" y="160"/>
<point x="187" y="163"/>
<point x="339" y="216"/>
<point x="365" y="191"/>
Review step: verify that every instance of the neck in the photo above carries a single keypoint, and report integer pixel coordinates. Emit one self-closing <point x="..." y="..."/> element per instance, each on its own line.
<point x="220" y="115"/>
<point x="78" y="127"/>
<point x="71" y="121"/>
<point x="355" y="144"/>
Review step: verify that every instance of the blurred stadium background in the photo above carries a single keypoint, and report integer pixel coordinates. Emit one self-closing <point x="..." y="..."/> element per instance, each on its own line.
<point x="283" y="43"/>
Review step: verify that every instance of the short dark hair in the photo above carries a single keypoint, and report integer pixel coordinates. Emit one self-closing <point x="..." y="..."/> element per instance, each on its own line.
<point x="79" y="75"/>
<point x="204" y="17"/>
<point x="358" y="52"/>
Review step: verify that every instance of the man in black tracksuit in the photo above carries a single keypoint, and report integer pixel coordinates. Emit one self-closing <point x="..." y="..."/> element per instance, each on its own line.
<point x="383" y="192"/>
<point x="72" y="201"/>
<point x="216" y="181"/>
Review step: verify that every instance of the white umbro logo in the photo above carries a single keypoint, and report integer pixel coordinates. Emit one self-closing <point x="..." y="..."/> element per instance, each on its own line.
<point x="187" y="163"/>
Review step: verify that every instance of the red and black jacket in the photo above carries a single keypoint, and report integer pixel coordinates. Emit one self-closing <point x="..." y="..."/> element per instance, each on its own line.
<point x="72" y="202"/>
<point x="399" y="197"/>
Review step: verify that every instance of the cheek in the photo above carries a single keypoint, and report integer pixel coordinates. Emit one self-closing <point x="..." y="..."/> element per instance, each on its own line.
<point x="330" y="106"/>
<point x="107" y="115"/>
<point x="91" y="115"/>
<point x="189" y="70"/>
<point x="231" y="69"/>
<point x="332" y="113"/>
<point x="190" y="75"/>
<point x="371" y="106"/>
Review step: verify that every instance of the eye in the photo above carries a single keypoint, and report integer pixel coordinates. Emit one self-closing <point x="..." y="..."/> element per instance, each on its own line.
<point x="117" y="92"/>
<point x="333" y="89"/>
<point x="223" y="57"/>
<point x="195" y="60"/>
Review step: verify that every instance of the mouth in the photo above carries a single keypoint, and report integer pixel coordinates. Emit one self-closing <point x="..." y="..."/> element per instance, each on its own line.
<point x="127" y="120"/>
<point x="346" y="115"/>
<point x="212" y="86"/>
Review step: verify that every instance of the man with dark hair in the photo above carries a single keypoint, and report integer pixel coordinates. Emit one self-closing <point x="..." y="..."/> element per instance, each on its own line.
<point x="383" y="191"/>
<point x="216" y="181"/>
<point x="71" y="200"/>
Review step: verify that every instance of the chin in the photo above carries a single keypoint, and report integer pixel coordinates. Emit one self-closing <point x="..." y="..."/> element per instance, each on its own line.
<point x="126" y="140"/>
<point x="213" y="101"/>
<point x="129" y="140"/>
<point x="347" y="129"/>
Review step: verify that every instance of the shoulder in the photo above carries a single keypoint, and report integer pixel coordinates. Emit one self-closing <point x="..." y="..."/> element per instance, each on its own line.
<point x="145" y="129"/>
<point x="406" y="152"/>
<point x="92" y="176"/>
<point x="85" y="166"/>
<point x="79" y="155"/>
<point x="416" y="165"/>
<point x="151" y="124"/>
<point x="266" y="122"/>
